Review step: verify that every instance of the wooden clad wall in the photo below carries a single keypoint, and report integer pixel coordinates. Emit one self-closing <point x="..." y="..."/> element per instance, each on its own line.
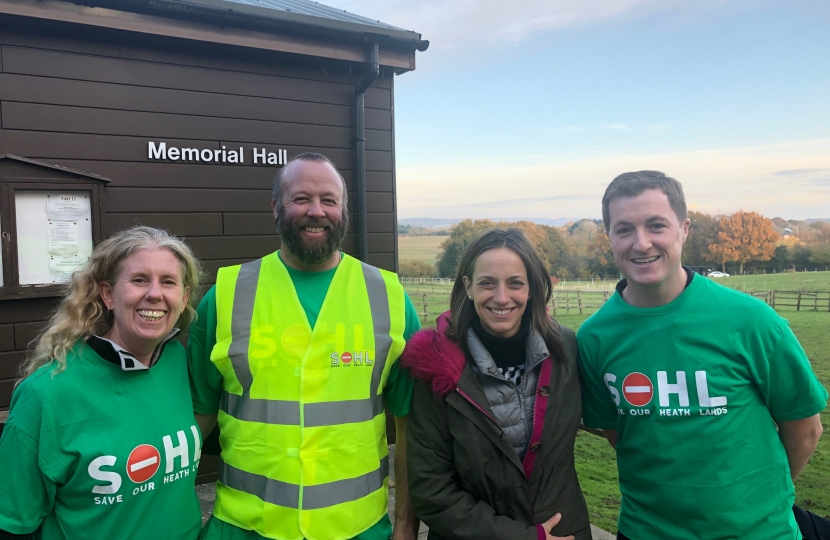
<point x="91" y="99"/>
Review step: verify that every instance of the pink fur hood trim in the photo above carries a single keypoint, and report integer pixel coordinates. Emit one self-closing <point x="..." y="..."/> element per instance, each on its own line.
<point x="431" y="357"/>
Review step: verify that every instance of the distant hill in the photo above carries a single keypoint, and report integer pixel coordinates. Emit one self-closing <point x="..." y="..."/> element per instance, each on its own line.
<point x="439" y="223"/>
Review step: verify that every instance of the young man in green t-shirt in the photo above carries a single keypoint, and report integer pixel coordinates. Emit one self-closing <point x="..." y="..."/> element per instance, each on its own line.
<point x="689" y="381"/>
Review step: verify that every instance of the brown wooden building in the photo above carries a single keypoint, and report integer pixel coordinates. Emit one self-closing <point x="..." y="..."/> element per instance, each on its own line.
<point x="178" y="114"/>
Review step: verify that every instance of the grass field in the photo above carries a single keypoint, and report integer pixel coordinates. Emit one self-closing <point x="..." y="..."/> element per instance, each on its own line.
<point x="785" y="281"/>
<point x="420" y="248"/>
<point x="596" y="462"/>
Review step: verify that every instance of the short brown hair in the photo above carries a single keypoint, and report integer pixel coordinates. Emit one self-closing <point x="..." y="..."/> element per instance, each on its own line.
<point x="631" y="184"/>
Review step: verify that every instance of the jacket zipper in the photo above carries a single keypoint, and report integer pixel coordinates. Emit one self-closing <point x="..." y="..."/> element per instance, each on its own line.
<point x="477" y="406"/>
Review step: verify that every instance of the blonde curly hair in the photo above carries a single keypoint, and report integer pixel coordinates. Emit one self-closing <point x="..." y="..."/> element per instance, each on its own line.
<point x="82" y="312"/>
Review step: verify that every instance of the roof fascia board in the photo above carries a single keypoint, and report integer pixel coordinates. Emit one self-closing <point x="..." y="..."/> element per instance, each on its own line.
<point x="299" y="18"/>
<point x="56" y="10"/>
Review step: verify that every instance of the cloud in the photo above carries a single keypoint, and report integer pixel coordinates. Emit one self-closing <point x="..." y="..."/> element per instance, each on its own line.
<point x="819" y="177"/>
<point x="464" y="23"/>
<point x="621" y="127"/>
<point x="791" y="180"/>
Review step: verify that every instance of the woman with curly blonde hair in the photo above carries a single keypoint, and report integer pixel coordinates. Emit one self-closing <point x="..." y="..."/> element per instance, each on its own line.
<point x="101" y="441"/>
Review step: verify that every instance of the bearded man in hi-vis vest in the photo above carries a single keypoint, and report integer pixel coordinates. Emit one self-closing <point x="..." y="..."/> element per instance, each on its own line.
<point x="296" y="355"/>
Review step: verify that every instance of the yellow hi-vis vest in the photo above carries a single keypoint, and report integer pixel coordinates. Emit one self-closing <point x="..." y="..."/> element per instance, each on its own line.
<point x="303" y="429"/>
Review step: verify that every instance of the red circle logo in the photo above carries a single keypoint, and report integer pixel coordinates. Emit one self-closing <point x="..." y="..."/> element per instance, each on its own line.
<point x="346" y="357"/>
<point x="143" y="463"/>
<point x="637" y="389"/>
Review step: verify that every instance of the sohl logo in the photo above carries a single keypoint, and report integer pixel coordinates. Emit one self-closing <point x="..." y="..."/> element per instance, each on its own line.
<point x="638" y="391"/>
<point x="347" y="358"/>
<point x="142" y="464"/>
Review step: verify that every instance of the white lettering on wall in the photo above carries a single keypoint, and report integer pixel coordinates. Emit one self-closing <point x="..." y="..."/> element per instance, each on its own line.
<point x="262" y="156"/>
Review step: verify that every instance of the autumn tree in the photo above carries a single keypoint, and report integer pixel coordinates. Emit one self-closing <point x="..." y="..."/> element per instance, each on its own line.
<point x="703" y="231"/>
<point x="453" y="247"/>
<point x="743" y="237"/>
<point x="601" y="256"/>
<point x="547" y="241"/>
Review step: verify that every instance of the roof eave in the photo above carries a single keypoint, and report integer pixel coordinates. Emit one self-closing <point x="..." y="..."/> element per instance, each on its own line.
<point x="289" y="22"/>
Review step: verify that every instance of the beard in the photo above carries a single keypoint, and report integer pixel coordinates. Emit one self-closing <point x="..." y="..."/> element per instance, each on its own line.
<point x="311" y="254"/>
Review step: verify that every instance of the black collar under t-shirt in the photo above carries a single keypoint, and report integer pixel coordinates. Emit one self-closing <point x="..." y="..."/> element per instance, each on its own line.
<point x="623" y="283"/>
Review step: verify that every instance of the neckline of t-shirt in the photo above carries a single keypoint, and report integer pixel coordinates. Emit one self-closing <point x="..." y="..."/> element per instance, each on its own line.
<point x="675" y="304"/>
<point x="302" y="275"/>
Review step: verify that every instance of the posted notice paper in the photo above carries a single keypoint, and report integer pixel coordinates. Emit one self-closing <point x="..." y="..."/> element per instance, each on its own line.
<point x="63" y="238"/>
<point x="67" y="207"/>
<point x="61" y="268"/>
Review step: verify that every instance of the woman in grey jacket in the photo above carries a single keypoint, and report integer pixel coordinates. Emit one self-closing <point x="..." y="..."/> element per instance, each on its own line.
<point x="496" y="405"/>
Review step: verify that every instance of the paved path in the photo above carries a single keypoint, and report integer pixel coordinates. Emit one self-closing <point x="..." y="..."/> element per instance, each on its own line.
<point x="207" y="494"/>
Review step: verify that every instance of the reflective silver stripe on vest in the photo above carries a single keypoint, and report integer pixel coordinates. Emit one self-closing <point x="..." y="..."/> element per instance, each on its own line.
<point x="332" y="413"/>
<point x="267" y="489"/>
<point x="269" y="411"/>
<point x="341" y="491"/>
<point x="314" y="497"/>
<point x="241" y="317"/>
<point x="381" y="321"/>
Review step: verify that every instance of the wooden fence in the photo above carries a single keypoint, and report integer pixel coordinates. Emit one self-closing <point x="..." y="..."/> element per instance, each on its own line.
<point x="431" y="301"/>
<point x="795" y="300"/>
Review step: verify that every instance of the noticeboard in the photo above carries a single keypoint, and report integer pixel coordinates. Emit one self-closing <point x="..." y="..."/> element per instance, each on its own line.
<point x="54" y="234"/>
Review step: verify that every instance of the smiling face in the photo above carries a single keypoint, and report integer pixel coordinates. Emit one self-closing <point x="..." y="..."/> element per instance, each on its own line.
<point x="146" y="300"/>
<point x="310" y="220"/>
<point x="500" y="291"/>
<point x="647" y="239"/>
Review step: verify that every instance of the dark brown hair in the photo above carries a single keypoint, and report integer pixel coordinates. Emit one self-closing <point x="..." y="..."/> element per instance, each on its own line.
<point x="462" y="309"/>
<point x="631" y="184"/>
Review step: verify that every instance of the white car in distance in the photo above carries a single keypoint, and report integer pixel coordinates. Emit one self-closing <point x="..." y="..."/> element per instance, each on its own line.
<point x="717" y="274"/>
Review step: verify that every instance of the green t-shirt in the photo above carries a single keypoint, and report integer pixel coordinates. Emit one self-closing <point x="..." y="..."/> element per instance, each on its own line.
<point x="206" y="380"/>
<point x="97" y="452"/>
<point x="694" y="389"/>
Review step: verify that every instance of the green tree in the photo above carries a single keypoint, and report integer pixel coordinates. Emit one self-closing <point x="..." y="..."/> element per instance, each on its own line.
<point x="416" y="268"/>
<point x="547" y="240"/>
<point x="820" y="255"/>
<point x="453" y="247"/>
<point x="703" y="231"/>
<point x="601" y="257"/>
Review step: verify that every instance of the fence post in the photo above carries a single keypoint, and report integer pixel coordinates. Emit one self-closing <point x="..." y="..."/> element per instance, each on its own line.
<point x="772" y="303"/>
<point x="567" y="303"/>
<point x="798" y="304"/>
<point x="815" y="302"/>
<point x="426" y="313"/>
<point x="579" y="301"/>
<point x="553" y="303"/>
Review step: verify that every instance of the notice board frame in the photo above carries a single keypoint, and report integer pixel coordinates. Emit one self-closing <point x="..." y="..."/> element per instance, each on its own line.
<point x="33" y="179"/>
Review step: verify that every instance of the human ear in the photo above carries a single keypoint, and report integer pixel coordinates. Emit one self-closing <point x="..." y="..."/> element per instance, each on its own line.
<point x="106" y="294"/>
<point x="186" y="297"/>
<point x="468" y="284"/>
<point x="274" y="208"/>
